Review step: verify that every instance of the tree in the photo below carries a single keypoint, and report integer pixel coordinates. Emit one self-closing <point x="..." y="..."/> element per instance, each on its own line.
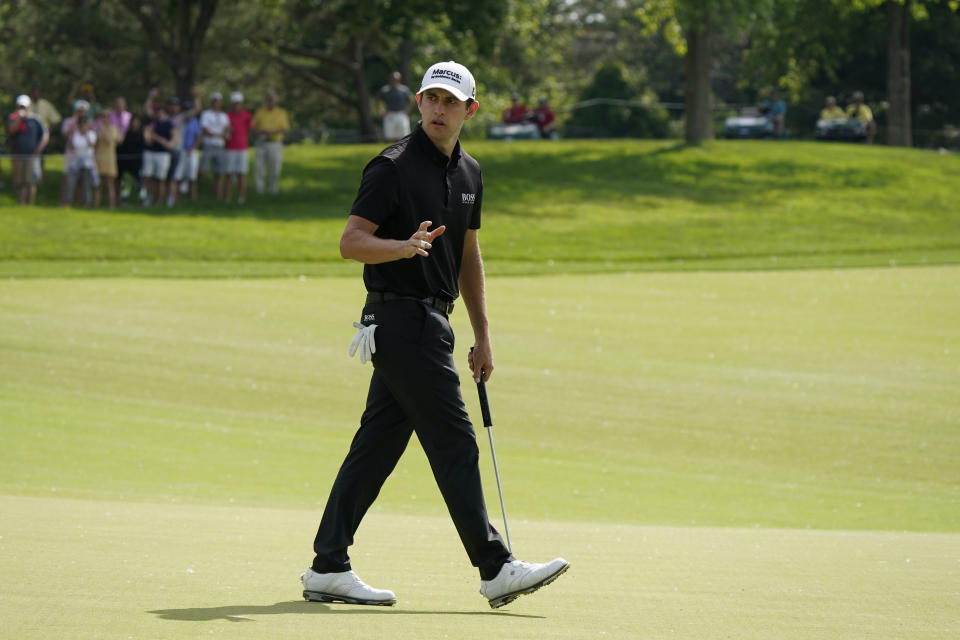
<point x="842" y="42"/>
<point x="613" y="107"/>
<point x="176" y="29"/>
<point x="330" y="44"/>
<point x="700" y="22"/>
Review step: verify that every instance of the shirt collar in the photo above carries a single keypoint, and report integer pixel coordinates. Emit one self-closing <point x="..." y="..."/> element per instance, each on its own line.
<point x="427" y="146"/>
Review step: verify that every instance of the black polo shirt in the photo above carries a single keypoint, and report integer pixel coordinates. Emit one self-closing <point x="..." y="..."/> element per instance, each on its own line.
<point x="409" y="182"/>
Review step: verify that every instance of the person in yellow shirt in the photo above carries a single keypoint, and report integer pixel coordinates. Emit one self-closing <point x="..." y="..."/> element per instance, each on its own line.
<point x="862" y="113"/>
<point x="831" y="111"/>
<point x="269" y="125"/>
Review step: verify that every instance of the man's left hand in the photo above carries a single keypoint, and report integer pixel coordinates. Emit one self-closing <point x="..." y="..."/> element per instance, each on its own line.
<point x="480" y="360"/>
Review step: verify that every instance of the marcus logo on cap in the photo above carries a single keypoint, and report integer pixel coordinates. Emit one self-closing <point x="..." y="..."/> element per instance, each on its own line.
<point x="452" y="76"/>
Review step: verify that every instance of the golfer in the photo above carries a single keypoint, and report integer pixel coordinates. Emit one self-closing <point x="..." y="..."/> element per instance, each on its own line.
<point x="414" y="226"/>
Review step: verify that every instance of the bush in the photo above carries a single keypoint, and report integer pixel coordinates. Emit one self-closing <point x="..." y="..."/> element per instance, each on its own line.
<point x="613" y="107"/>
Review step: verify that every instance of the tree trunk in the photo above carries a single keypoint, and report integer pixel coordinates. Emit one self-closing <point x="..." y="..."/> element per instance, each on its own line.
<point x="184" y="74"/>
<point x="368" y="129"/>
<point x="406" y="54"/>
<point x="899" y="131"/>
<point x="698" y="99"/>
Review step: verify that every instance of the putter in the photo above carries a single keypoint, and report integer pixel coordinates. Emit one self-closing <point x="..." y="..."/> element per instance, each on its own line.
<point x="488" y="423"/>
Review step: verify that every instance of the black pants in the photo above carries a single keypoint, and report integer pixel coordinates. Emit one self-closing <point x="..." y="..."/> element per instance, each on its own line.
<point x="415" y="388"/>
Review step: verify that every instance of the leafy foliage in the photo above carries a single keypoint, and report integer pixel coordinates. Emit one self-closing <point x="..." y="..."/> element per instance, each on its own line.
<point x="613" y="107"/>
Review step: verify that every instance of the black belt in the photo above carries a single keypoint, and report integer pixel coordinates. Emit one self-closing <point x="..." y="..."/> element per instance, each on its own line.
<point x="440" y="304"/>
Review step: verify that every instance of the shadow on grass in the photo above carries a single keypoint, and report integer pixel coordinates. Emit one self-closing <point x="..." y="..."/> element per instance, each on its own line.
<point x="240" y="613"/>
<point x="667" y="171"/>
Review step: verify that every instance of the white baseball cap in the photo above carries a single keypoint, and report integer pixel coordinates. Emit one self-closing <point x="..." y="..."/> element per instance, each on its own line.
<point x="215" y="96"/>
<point x="452" y="76"/>
<point x="23" y="100"/>
<point x="236" y="96"/>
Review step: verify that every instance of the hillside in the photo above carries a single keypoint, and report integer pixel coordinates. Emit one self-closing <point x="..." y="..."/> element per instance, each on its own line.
<point x="568" y="206"/>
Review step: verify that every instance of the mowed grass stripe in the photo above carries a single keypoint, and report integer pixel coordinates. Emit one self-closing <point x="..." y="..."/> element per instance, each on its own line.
<point x="790" y="399"/>
<point x="105" y="569"/>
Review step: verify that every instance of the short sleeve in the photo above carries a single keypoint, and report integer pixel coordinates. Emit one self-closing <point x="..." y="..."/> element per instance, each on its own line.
<point x="378" y="190"/>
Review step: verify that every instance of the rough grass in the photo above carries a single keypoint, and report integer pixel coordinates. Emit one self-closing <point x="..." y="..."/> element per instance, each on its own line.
<point x="567" y="206"/>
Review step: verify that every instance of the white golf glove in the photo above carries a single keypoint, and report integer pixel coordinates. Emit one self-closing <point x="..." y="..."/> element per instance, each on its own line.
<point x="364" y="342"/>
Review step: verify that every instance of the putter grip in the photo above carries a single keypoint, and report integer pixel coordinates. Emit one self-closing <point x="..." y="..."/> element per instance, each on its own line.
<point x="484" y="405"/>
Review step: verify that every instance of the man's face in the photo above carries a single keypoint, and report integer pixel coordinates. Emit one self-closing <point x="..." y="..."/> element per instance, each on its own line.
<point x="120" y="104"/>
<point x="443" y="115"/>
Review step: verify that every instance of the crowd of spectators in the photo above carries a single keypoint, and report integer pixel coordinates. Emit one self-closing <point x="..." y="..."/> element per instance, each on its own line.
<point x="155" y="157"/>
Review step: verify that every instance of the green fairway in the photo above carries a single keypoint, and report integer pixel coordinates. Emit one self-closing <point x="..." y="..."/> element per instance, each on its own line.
<point x="789" y="399"/>
<point x="105" y="569"/>
<point x="727" y="430"/>
<point x="569" y="206"/>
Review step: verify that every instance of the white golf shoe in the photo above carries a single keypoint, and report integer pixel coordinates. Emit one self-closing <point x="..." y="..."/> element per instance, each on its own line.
<point x="517" y="578"/>
<point x="344" y="587"/>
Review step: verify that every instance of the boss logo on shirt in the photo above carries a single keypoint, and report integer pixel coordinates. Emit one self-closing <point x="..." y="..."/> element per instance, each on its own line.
<point x="468" y="198"/>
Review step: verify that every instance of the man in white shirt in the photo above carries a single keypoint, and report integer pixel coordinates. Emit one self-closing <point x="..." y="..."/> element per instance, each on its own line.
<point x="216" y="131"/>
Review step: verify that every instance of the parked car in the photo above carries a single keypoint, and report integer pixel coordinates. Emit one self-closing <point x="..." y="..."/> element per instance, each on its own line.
<point x="749" y="124"/>
<point x="842" y="129"/>
<point x="521" y="131"/>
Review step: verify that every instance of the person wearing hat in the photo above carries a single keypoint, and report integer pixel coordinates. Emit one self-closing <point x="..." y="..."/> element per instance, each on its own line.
<point x="862" y="112"/>
<point x="270" y="123"/>
<point x="238" y="160"/>
<point x="71" y="169"/>
<point x="545" y="118"/>
<point x="775" y="109"/>
<point x="27" y="138"/>
<point x="516" y="113"/>
<point x="414" y="226"/>
<point x="216" y="130"/>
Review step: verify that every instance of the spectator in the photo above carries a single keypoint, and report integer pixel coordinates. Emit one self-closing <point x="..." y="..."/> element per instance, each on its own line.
<point x="81" y="113"/>
<point x="516" y="112"/>
<point x="862" y="112"/>
<point x="185" y="177"/>
<point x="831" y="111"/>
<point x="27" y="138"/>
<point x="46" y="113"/>
<point x="544" y="117"/>
<point x="159" y="138"/>
<point x="86" y="94"/>
<point x="237" y="144"/>
<point x="216" y="130"/>
<point x="81" y="141"/>
<point x="43" y="110"/>
<point x="397" y="102"/>
<point x="130" y="159"/>
<point x="269" y="125"/>
<point x="105" y="156"/>
<point x="179" y="115"/>
<point x="776" y="111"/>
<point x="119" y="116"/>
